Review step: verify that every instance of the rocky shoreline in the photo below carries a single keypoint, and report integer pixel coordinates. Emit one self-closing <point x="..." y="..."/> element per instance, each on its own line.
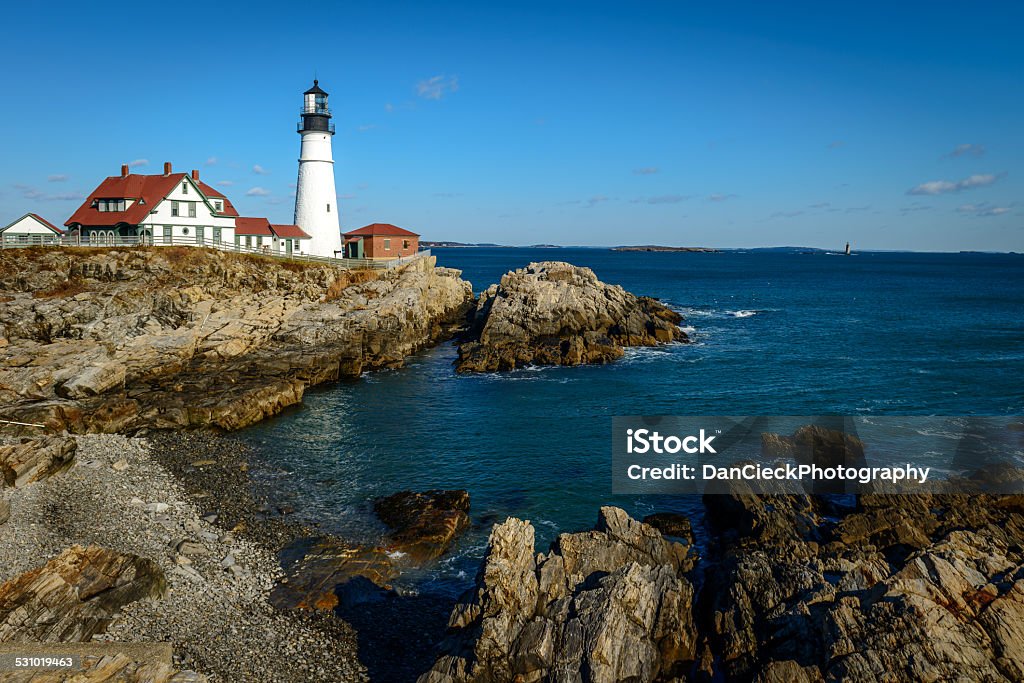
<point x="116" y="494"/>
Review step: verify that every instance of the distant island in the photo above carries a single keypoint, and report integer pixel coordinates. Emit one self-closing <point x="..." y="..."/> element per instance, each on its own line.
<point x="453" y="245"/>
<point x="655" y="247"/>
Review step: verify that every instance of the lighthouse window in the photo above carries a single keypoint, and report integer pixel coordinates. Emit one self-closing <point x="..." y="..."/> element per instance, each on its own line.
<point x="328" y="208"/>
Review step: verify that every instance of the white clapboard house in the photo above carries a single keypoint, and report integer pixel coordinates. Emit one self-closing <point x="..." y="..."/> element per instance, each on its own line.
<point x="171" y="208"/>
<point x="30" y="229"/>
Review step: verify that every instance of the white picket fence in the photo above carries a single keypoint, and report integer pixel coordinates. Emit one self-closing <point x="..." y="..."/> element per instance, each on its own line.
<point x="266" y="250"/>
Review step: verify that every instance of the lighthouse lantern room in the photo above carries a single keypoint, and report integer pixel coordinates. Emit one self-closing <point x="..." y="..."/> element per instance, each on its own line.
<point x="316" y="198"/>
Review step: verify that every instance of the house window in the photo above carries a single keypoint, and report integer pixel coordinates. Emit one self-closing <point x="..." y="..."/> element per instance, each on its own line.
<point x="168" y="234"/>
<point x="387" y="245"/>
<point x="405" y="244"/>
<point x="109" y="205"/>
<point x="191" y="209"/>
<point x="248" y="242"/>
<point x="184" y="188"/>
<point x="219" y="205"/>
<point x="174" y="208"/>
<point x="216" y="235"/>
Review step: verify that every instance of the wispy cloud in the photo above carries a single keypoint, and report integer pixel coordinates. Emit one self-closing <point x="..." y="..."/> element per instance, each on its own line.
<point x="35" y="194"/>
<point x="211" y="161"/>
<point x="820" y="205"/>
<point x="257" y="192"/>
<point x="914" y="208"/>
<point x="366" y="127"/>
<point x="436" y="87"/>
<point x="983" y="210"/>
<point x="662" y="199"/>
<point x="787" y="214"/>
<point x="56" y="178"/>
<point x="967" y="150"/>
<point x="720" y="197"/>
<point x="836" y="144"/>
<point x="225" y="183"/>
<point x="596" y="199"/>
<point x="947" y="186"/>
<point x="138" y="162"/>
<point x="646" y="170"/>
<point x="259" y="170"/>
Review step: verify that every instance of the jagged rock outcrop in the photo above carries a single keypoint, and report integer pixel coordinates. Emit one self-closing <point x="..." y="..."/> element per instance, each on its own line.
<point x="119" y="340"/>
<point x="30" y="460"/>
<point x="900" y="588"/>
<point x="794" y="588"/>
<point x="75" y="595"/>
<point x="610" y="604"/>
<point x="554" y="313"/>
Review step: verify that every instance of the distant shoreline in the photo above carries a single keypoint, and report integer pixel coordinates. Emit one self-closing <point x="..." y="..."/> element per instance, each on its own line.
<point x="705" y="250"/>
<point x="655" y="247"/>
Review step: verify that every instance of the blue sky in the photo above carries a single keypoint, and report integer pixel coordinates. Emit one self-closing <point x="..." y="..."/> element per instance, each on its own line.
<point x="896" y="125"/>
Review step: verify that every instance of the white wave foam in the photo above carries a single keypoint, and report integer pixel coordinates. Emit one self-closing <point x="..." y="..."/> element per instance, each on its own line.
<point x="741" y="313"/>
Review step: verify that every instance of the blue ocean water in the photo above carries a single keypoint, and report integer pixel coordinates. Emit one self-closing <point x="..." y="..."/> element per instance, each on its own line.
<point x="775" y="333"/>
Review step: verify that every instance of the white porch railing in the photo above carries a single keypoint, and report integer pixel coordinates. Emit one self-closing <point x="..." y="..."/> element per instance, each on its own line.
<point x="106" y="241"/>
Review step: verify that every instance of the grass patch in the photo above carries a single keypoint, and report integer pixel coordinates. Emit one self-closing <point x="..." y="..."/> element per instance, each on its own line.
<point x="347" y="279"/>
<point x="68" y="288"/>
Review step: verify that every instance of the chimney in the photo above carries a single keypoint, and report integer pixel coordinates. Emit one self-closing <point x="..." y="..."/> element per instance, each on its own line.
<point x="167" y="168"/>
<point x="195" y="175"/>
<point x="124" y="170"/>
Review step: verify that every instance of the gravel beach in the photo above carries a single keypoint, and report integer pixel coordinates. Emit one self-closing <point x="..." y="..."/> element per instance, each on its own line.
<point x="119" y="495"/>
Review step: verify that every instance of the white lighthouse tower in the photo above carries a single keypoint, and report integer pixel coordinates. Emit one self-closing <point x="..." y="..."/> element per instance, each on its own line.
<point x="316" y="199"/>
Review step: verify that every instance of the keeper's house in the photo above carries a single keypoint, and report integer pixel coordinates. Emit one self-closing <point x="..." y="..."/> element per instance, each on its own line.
<point x="169" y="208"/>
<point x="30" y="229"/>
<point x="174" y="208"/>
<point x="381" y="241"/>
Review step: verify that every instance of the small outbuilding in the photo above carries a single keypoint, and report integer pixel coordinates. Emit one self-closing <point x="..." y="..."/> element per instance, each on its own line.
<point x="381" y="241"/>
<point x="30" y="229"/>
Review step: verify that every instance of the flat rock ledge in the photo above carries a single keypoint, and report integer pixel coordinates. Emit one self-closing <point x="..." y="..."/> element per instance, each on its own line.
<point x="75" y="595"/>
<point x="555" y="313"/>
<point x="422" y="526"/>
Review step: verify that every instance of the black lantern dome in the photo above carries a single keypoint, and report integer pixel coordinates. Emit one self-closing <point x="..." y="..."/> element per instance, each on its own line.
<point x="316" y="115"/>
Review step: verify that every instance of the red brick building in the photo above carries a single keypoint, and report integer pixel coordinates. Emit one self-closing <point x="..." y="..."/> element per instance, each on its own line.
<point x="381" y="241"/>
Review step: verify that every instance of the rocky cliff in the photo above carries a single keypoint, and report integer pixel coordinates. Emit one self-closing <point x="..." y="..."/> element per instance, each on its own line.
<point x="792" y="588"/>
<point x="118" y="340"/>
<point x="555" y="313"/>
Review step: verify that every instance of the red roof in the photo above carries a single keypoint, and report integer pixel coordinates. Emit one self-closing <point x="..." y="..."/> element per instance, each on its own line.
<point x="151" y="189"/>
<point x="229" y="208"/>
<point x="253" y="226"/>
<point x="291" y="231"/>
<point x="380" y="229"/>
<point x="47" y="223"/>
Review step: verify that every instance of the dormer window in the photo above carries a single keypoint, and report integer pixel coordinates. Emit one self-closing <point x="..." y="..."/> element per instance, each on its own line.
<point x="110" y="205"/>
<point x="218" y="204"/>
